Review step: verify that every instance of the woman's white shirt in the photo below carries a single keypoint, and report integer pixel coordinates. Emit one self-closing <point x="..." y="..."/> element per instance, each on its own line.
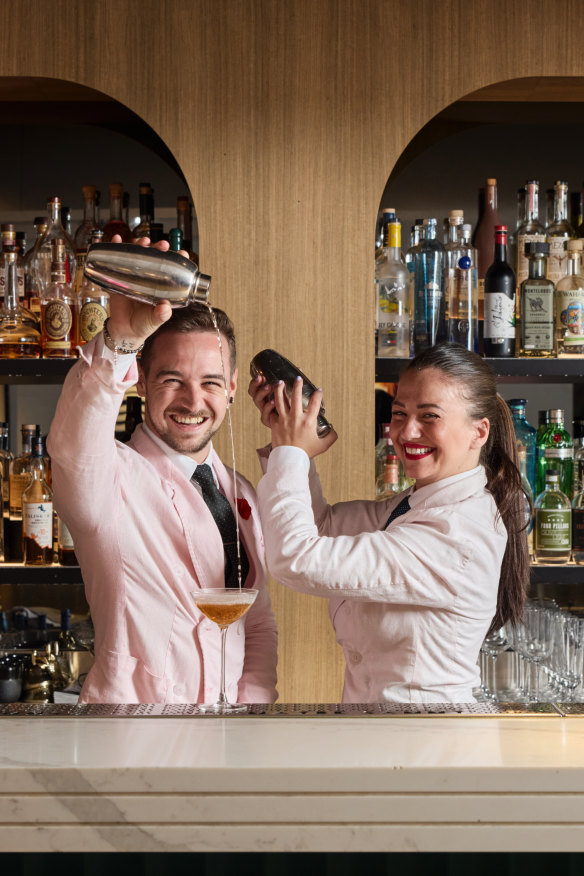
<point x="411" y="604"/>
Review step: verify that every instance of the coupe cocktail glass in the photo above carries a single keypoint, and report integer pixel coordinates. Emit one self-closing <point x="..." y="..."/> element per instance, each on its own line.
<point x="224" y="607"/>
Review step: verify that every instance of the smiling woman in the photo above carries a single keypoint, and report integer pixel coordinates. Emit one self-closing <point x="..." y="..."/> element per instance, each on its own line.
<point x="416" y="582"/>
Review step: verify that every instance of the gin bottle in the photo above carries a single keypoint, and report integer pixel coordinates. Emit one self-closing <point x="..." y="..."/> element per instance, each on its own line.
<point x="392" y="287"/>
<point x="570" y="304"/>
<point x="429" y="291"/>
<point x="555" y="450"/>
<point x="558" y="233"/>
<point x="536" y="294"/>
<point x="553" y="522"/>
<point x="525" y="435"/>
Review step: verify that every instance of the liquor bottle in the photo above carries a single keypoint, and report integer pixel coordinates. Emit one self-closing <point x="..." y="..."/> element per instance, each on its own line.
<point x="558" y="233"/>
<point x="184" y="221"/>
<point x="116" y="224"/>
<point x="453" y="230"/>
<point x="59" y="310"/>
<point x="20" y="241"/>
<point x="146" y="206"/>
<point x="417" y="233"/>
<point x="32" y="292"/>
<point x="462" y="298"/>
<point x="93" y="303"/>
<point x="41" y="258"/>
<point x="527" y="496"/>
<point x="380" y="230"/>
<point x="37" y="512"/>
<point x="530" y="230"/>
<point x="6" y="457"/>
<point x="553" y="522"/>
<point x="555" y="450"/>
<point x="20" y="337"/>
<point x="8" y="235"/>
<point x="578" y="526"/>
<point x="484" y="240"/>
<point x="389" y="473"/>
<point x="570" y="304"/>
<point x="65" y="546"/>
<point x="84" y="231"/>
<point x="537" y="297"/>
<point x="429" y="291"/>
<point x="499" y="306"/>
<point x="392" y="292"/>
<point x="525" y="435"/>
<point x="20" y="469"/>
<point x="175" y="239"/>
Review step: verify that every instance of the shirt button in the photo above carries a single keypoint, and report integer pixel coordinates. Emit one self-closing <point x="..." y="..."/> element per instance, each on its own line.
<point x="355" y="658"/>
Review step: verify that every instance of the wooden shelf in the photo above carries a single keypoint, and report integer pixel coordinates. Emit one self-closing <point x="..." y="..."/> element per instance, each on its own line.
<point x="507" y="370"/>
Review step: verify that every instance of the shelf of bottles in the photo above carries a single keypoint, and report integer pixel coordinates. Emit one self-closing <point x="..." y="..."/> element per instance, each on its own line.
<point x="512" y="370"/>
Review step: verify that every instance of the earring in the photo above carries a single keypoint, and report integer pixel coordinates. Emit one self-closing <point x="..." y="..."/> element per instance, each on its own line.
<point x="231" y="399"/>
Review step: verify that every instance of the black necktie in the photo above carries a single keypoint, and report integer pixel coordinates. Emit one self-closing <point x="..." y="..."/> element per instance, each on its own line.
<point x="399" y="509"/>
<point x="224" y="517"/>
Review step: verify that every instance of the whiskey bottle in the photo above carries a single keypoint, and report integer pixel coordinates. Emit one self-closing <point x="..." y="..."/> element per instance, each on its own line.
<point x="570" y="304"/>
<point x="59" y="310"/>
<point x="499" y="305"/>
<point x="20" y="469"/>
<point x="537" y="297"/>
<point x="93" y="303"/>
<point x="42" y="255"/>
<point x="558" y="233"/>
<point x="116" y="224"/>
<point x="20" y="337"/>
<point x="392" y="292"/>
<point x="553" y="522"/>
<point x="84" y="231"/>
<point x="146" y="207"/>
<point x="37" y="512"/>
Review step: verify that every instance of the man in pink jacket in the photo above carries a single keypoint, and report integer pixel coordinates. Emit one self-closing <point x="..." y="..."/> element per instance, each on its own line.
<point x="144" y="537"/>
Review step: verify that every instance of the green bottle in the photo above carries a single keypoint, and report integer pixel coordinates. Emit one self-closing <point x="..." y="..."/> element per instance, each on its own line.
<point x="553" y="522"/>
<point x="555" y="450"/>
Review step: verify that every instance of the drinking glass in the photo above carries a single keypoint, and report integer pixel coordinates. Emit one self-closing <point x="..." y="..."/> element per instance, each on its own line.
<point x="223" y="607"/>
<point x="572" y="653"/>
<point x="537" y="623"/>
<point x="494" y="644"/>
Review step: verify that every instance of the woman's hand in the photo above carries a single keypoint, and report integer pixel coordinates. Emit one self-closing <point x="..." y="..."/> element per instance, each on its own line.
<point x="290" y="424"/>
<point x="131" y="321"/>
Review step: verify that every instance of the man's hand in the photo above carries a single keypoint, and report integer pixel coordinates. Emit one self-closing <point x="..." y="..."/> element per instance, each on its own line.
<point x="131" y="321"/>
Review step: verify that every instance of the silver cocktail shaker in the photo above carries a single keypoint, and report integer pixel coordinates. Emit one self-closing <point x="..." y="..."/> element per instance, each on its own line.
<point x="273" y="366"/>
<point x="146" y="274"/>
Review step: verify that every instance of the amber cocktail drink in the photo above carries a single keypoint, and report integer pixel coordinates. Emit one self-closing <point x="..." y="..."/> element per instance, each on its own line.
<point x="224" y="607"/>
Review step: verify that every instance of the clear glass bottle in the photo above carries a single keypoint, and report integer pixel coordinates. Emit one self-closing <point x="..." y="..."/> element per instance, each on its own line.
<point x="417" y="233"/>
<point x="20" y="337"/>
<point x="528" y="496"/>
<point x="116" y="224"/>
<point x="390" y="477"/>
<point x="392" y="292"/>
<point x="484" y="240"/>
<point x="462" y="294"/>
<point x="146" y="207"/>
<point x="32" y="291"/>
<point x="452" y="232"/>
<point x="499" y="301"/>
<point x="555" y="450"/>
<point x="558" y="233"/>
<point x="8" y="234"/>
<point x="570" y="304"/>
<point x="37" y="512"/>
<point x="42" y="255"/>
<point x="429" y="291"/>
<point x="84" y="231"/>
<point x="537" y="302"/>
<point x="525" y="434"/>
<point x="93" y="303"/>
<point x="553" y="522"/>
<point x="59" y="310"/>
<point x="20" y="469"/>
<point x="530" y="230"/>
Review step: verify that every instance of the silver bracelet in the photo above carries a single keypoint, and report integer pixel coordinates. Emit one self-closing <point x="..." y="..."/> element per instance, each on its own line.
<point x="117" y="348"/>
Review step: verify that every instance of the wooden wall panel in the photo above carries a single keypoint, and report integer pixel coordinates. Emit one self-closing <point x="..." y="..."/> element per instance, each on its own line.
<point x="286" y="119"/>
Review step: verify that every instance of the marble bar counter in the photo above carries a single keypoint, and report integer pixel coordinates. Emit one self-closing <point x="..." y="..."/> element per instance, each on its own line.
<point x="321" y="778"/>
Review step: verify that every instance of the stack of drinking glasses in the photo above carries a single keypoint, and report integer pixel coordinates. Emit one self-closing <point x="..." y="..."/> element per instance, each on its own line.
<point x="539" y="660"/>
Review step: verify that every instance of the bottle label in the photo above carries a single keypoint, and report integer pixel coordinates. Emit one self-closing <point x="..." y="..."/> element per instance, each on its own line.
<point x="522" y="260"/>
<point x="537" y="324"/>
<point x="20" y="289"/>
<point x="18" y="483"/>
<point x="57" y="319"/>
<point x="559" y="452"/>
<point x="499" y="316"/>
<point x="91" y="320"/>
<point x="553" y="529"/>
<point x="557" y="266"/>
<point x="37" y="522"/>
<point x="570" y="316"/>
<point x="65" y="537"/>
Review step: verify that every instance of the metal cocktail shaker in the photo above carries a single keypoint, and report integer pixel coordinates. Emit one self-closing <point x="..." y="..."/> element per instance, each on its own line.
<point x="273" y="366"/>
<point x="146" y="274"/>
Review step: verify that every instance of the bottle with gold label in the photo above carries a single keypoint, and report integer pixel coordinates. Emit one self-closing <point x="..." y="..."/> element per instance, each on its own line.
<point x="37" y="512"/>
<point x="59" y="314"/>
<point x="93" y="303"/>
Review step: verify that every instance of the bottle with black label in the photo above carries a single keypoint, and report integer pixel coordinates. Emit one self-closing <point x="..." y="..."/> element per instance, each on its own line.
<point x="537" y="305"/>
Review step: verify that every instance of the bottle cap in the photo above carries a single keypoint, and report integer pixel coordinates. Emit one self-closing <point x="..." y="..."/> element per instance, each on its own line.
<point x="537" y="247"/>
<point x="455" y="217"/>
<point x="466" y="230"/>
<point x="499" y="229"/>
<point x="491" y="181"/>
<point x="88" y="192"/>
<point x="552" y="474"/>
<point x="517" y="402"/>
<point x="116" y="189"/>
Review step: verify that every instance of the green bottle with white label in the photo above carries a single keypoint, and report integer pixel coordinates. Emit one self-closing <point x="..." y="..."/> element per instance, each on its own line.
<point x="553" y="522"/>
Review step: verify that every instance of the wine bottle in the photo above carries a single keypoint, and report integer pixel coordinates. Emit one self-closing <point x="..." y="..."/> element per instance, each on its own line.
<point x="484" y="240"/>
<point x="499" y="324"/>
<point x="37" y="512"/>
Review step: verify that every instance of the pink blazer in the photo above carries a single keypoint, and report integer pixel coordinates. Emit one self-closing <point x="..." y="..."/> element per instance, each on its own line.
<point x="145" y="540"/>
